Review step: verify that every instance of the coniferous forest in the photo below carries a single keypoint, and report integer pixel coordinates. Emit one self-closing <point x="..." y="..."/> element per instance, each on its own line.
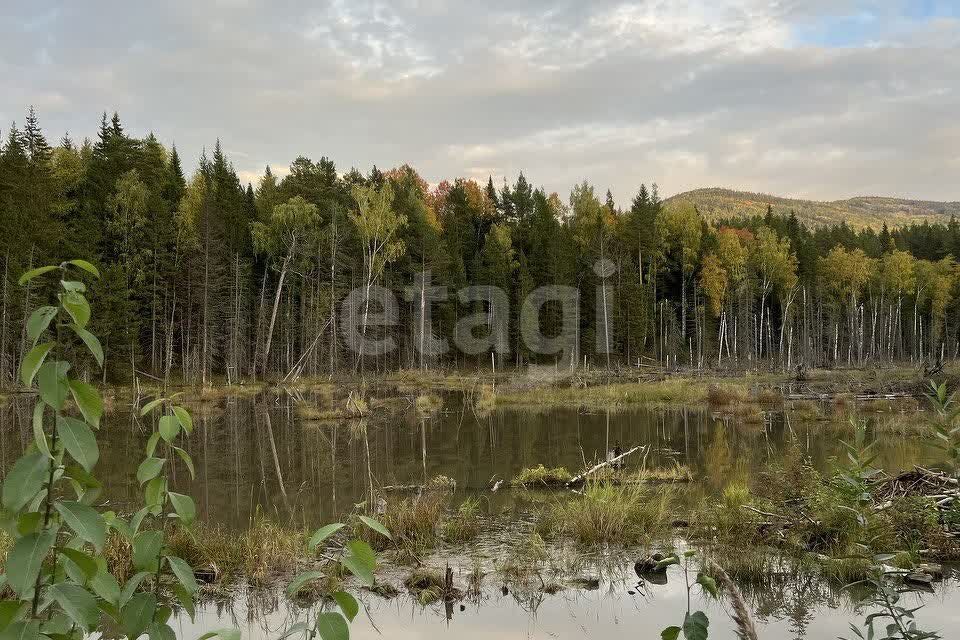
<point x="206" y="278"/>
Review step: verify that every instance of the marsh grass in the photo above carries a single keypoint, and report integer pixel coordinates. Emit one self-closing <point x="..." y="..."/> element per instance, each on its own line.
<point x="485" y="400"/>
<point x="604" y="513"/>
<point x="262" y="553"/>
<point x="412" y="523"/>
<point x="541" y="476"/>
<point x="717" y="393"/>
<point x="427" y="403"/>
<point x="464" y="525"/>
<point x="524" y="559"/>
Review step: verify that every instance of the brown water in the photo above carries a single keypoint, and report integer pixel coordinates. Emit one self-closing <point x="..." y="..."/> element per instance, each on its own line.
<point x="259" y="455"/>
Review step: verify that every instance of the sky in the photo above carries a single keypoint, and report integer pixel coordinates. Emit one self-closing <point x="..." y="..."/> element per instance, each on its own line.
<point x="821" y="99"/>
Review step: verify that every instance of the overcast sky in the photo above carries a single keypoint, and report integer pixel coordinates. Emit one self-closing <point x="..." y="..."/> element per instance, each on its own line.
<point x="816" y="98"/>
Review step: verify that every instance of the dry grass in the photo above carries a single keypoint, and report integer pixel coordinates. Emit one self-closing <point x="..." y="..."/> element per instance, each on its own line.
<point x="412" y="523"/>
<point x="264" y="552"/>
<point x="722" y="395"/>
<point x="5" y="544"/>
<point x="671" y="392"/>
<point x="485" y="400"/>
<point x="427" y="403"/>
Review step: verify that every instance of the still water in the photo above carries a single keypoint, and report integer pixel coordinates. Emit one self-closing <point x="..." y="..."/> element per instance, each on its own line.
<point x="261" y="455"/>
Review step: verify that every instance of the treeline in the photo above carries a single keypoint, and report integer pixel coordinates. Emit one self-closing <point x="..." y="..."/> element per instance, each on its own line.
<point x="206" y="277"/>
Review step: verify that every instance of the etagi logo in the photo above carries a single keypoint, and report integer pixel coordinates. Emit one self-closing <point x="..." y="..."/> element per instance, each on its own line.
<point x="366" y="311"/>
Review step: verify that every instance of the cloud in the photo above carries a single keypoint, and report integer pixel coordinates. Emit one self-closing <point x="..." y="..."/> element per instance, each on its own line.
<point x="810" y="98"/>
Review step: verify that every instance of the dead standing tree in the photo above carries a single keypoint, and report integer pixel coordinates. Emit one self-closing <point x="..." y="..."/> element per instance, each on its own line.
<point x="286" y="235"/>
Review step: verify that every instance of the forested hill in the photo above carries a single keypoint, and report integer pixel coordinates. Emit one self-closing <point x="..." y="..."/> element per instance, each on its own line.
<point x="857" y="212"/>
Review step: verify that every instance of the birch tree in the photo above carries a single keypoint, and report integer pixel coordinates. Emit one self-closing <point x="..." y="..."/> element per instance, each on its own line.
<point x="377" y="226"/>
<point x="287" y="235"/>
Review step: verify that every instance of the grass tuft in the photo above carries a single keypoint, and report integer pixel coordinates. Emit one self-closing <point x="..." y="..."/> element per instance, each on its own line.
<point x="605" y="514"/>
<point x="464" y="525"/>
<point x="541" y="476"/>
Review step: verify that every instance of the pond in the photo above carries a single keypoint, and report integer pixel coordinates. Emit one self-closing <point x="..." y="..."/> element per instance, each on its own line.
<point x="261" y="455"/>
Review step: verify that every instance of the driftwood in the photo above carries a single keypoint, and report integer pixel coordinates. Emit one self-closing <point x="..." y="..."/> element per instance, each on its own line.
<point x="916" y="482"/>
<point x="580" y="479"/>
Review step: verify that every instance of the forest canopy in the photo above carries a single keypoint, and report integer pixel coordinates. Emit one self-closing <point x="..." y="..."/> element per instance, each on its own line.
<point x="206" y="277"/>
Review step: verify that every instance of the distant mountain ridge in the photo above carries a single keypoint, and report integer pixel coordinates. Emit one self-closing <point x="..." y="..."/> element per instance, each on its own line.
<point x="865" y="211"/>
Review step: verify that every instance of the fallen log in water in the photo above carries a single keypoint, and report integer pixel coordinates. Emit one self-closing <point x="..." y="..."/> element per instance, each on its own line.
<point x="577" y="481"/>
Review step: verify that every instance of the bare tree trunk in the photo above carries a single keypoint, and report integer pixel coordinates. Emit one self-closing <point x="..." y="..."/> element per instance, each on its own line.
<point x="273" y="315"/>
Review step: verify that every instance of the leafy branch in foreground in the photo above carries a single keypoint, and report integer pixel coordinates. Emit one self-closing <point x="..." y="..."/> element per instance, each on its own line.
<point x="58" y="583"/>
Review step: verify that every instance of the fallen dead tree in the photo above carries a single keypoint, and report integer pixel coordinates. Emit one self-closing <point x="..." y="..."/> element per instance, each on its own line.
<point x="579" y="480"/>
<point x="942" y="488"/>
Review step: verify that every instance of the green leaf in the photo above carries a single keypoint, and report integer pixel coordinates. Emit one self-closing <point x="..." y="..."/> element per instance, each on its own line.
<point x="25" y="560"/>
<point x="25" y="480"/>
<point x="152" y="443"/>
<point x="84" y="562"/>
<point x="77" y="306"/>
<point x="361" y="561"/>
<point x="73" y="285"/>
<point x="149" y="469"/>
<point x="22" y="630"/>
<point x="130" y="588"/>
<point x="709" y="584"/>
<point x="92" y="342"/>
<point x="184" y="573"/>
<point x="183" y="416"/>
<point x="169" y="427"/>
<point x="150" y="406"/>
<point x="146" y="549"/>
<point x="33" y="273"/>
<point x="376" y="526"/>
<point x="79" y="441"/>
<point x="77" y="603"/>
<point x="299" y="627"/>
<point x="29" y="522"/>
<point x="85" y="521"/>
<point x="32" y="362"/>
<point x="86" y="266"/>
<point x="670" y="633"/>
<point x="88" y="400"/>
<point x="39" y="435"/>
<point x="153" y="494"/>
<point x="223" y="634"/>
<point x="302" y="579"/>
<point x="184" y="506"/>
<point x="106" y="586"/>
<point x="322" y="534"/>
<point x="157" y="631"/>
<point x="332" y="626"/>
<point x="187" y="460"/>
<point x="347" y="603"/>
<point x="695" y="626"/>
<point x="10" y="611"/>
<point x="39" y="321"/>
<point x="52" y="382"/>
<point x="137" y="614"/>
<point x="186" y="600"/>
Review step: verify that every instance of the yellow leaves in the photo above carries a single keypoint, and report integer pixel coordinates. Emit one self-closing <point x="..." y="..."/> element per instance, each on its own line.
<point x="773" y="260"/>
<point x="681" y="228"/>
<point x="732" y="254"/>
<point x="713" y="279"/>
<point x="896" y="271"/>
<point x="846" y="272"/>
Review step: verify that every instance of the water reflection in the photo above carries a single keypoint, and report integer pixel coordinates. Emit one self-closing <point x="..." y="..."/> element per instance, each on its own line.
<point x="786" y="606"/>
<point x="259" y="455"/>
